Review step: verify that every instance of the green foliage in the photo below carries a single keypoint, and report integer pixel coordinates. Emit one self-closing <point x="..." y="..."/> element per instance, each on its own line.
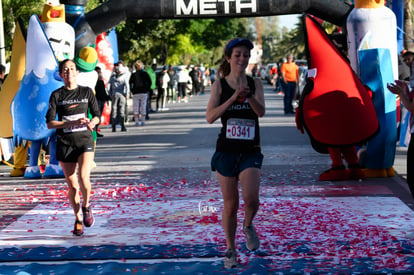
<point x="188" y="41"/>
<point x="176" y="41"/>
<point x="294" y="41"/>
<point x="145" y="40"/>
<point x="12" y="10"/>
<point x="92" y="4"/>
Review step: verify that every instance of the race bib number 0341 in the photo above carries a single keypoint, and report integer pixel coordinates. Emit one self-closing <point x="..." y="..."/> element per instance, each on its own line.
<point x="240" y="129"/>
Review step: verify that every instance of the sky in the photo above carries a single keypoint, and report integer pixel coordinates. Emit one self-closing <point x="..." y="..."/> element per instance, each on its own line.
<point x="288" y="21"/>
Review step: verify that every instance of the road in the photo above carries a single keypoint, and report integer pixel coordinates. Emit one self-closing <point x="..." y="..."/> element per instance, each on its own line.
<point x="157" y="207"/>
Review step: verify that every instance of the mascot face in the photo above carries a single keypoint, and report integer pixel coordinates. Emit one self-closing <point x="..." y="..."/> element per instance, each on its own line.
<point x="60" y="34"/>
<point x="61" y="39"/>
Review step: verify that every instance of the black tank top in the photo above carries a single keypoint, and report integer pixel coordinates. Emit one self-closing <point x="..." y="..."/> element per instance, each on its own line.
<point x="240" y="125"/>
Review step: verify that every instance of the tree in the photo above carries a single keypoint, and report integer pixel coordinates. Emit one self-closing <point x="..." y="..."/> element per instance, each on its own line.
<point x="12" y="10"/>
<point x="291" y="42"/>
<point x="408" y="25"/>
<point x="270" y="37"/>
<point x="145" y="40"/>
<point x="187" y="41"/>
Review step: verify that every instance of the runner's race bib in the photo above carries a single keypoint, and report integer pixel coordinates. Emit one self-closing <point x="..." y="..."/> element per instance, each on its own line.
<point x="238" y="128"/>
<point x="77" y="128"/>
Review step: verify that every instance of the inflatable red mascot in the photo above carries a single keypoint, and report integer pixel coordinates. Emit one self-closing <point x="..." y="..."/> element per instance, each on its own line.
<point x="335" y="108"/>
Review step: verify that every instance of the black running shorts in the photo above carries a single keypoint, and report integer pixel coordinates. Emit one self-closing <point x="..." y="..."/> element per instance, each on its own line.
<point x="231" y="164"/>
<point x="67" y="153"/>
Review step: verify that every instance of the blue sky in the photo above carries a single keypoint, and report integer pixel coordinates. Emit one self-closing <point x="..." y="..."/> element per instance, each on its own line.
<point x="288" y="20"/>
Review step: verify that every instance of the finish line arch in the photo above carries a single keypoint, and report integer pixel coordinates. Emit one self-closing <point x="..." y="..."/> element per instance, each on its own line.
<point x="113" y="12"/>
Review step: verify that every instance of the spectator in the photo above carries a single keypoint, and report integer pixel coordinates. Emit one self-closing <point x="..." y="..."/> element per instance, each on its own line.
<point x="254" y="70"/>
<point x="183" y="80"/>
<point x="172" y="85"/>
<point x="195" y="76"/>
<point x="202" y="70"/>
<point x="273" y="75"/>
<point x="162" y="82"/>
<point x="207" y="81"/>
<point x="118" y="87"/>
<point x="279" y="82"/>
<point x="101" y="96"/>
<point x="290" y="78"/>
<point x="153" y="76"/>
<point x="140" y="84"/>
<point x="405" y="93"/>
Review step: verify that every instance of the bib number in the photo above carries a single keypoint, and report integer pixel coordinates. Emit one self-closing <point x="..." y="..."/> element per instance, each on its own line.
<point x="240" y="129"/>
<point x="77" y="128"/>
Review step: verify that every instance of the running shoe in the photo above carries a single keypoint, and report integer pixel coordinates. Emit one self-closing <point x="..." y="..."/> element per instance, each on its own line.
<point x="252" y="241"/>
<point x="230" y="259"/>
<point x="88" y="219"/>
<point x="78" y="228"/>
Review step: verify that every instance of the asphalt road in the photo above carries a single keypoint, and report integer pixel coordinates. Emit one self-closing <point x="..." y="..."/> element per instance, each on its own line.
<point x="180" y="142"/>
<point x="150" y="181"/>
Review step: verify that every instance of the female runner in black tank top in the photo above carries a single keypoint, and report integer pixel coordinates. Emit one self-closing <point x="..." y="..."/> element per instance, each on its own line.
<point x="239" y="101"/>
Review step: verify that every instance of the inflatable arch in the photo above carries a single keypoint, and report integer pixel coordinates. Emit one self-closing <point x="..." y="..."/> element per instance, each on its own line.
<point x="113" y="12"/>
<point x="109" y="14"/>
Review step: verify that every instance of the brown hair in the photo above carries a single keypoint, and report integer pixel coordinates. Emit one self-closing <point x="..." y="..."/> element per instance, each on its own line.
<point x="224" y="68"/>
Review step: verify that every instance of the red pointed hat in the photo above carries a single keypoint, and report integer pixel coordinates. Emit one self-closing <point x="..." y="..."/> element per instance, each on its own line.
<point x="338" y="110"/>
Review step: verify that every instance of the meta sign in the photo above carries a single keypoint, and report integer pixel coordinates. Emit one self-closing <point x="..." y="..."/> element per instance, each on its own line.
<point x="214" y="7"/>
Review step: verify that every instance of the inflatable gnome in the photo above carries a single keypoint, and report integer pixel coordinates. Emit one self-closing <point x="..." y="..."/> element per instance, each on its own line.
<point x="48" y="41"/>
<point x="335" y="108"/>
<point x="86" y="61"/>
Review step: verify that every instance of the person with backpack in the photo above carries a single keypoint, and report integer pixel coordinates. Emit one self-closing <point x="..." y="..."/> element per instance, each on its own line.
<point x="140" y="84"/>
<point x="162" y="85"/>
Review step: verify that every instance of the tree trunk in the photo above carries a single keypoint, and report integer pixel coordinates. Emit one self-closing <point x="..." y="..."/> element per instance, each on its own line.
<point x="408" y="25"/>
